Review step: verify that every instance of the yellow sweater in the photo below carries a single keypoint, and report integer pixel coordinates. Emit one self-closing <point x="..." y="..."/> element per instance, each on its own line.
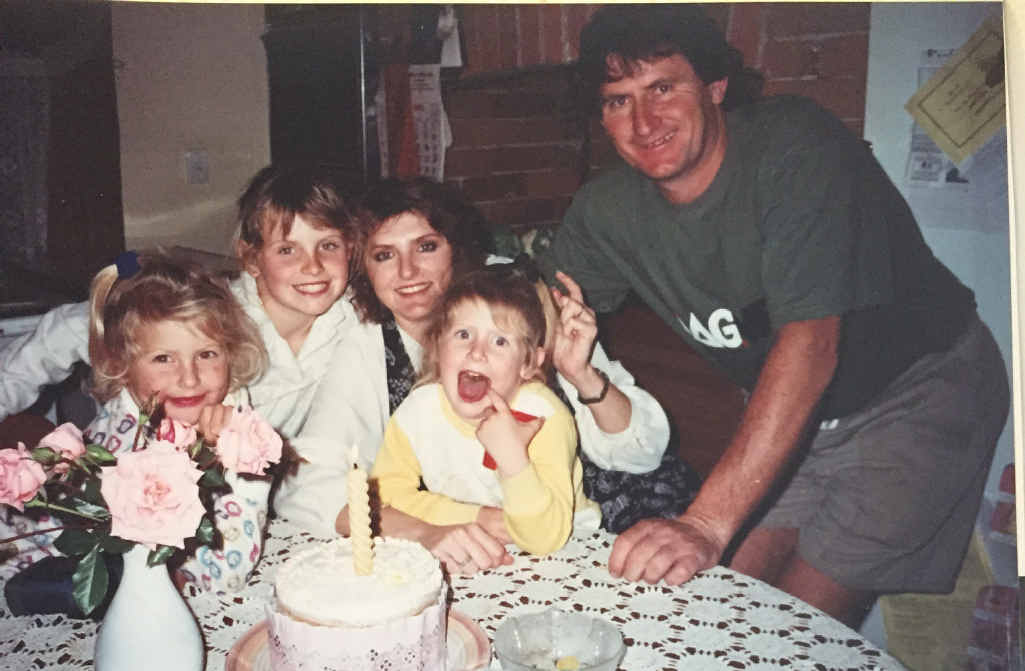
<point x="426" y="439"/>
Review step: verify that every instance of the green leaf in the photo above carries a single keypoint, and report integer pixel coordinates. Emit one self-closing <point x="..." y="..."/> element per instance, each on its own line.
<point x="87" y="508"/>
<point x="91" y="492"/>
<point x="160" y="555"/>
<point x="212" y="477"/>
<point x="75" y="542"/>
<point x="205" y="531"/>
<point x="115" y="545"/>
<point x="89" y="582"/>
<point x="45" y="455"/>
<point x="99" y="454"/>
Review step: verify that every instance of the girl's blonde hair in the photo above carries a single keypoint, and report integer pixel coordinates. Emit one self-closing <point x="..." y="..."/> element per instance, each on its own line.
<point x="151" y="287"/>
<point x="518" y="301"/>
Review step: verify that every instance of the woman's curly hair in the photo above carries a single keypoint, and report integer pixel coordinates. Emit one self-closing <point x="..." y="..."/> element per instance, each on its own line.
<point x="444" y="208"/>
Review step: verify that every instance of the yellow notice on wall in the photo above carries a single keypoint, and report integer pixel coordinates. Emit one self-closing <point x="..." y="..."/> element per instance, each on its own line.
<point x="962" y="105"/>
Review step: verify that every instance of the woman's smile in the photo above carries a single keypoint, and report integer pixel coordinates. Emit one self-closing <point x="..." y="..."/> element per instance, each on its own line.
<point x="409" y="265"/>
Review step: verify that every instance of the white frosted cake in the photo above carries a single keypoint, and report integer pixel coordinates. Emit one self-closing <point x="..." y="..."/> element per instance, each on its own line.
<point x="327" y="617"/>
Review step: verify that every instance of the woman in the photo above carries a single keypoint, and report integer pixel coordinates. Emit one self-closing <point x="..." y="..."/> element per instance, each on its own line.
<point x="416" y="236"/>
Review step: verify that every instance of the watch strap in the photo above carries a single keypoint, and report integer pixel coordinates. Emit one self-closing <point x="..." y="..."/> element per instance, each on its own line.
<point x="601" y="395"/>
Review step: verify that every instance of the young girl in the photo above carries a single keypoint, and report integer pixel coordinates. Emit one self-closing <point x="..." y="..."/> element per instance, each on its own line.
<point x="295" y="236"/>
<point x="482" y="430"/>
<point x="167" y="333"/>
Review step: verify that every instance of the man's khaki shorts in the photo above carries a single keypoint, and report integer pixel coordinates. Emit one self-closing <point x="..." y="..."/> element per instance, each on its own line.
<point x="885" y="499"/>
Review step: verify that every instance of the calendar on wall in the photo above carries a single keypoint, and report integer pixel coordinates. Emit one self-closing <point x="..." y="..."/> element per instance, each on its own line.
<point x="413" y="131"/>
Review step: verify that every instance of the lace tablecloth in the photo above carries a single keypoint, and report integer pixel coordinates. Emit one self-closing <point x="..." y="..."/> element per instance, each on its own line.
<point x="719" y="620"/>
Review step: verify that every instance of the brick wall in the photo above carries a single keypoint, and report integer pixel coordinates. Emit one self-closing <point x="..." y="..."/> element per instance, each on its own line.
<point x="519" y="153"/>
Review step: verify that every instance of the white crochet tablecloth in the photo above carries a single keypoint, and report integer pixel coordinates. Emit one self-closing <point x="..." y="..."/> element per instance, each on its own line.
<point x="719" y="620"/>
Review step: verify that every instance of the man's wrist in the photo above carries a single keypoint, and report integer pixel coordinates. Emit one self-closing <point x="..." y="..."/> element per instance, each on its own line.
<point x="711" y="526"/>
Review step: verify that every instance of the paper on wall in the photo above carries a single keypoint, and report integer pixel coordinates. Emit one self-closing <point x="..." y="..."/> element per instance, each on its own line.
<point x="961" y="106"/>
<point x="433" y="132"/>
<point x="413" y="130"/>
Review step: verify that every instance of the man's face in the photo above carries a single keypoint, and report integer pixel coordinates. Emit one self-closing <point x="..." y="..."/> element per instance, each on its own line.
<point x="666" y="123"/>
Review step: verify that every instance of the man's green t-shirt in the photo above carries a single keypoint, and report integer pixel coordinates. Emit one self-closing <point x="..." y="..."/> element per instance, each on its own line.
<point x="799" y="223"/>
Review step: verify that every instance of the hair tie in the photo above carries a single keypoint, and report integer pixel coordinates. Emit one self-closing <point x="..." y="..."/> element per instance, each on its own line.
<point x="127" y="264"/>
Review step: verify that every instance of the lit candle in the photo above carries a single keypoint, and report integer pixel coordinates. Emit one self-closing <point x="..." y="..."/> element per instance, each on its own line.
<point x="359" y="517"/>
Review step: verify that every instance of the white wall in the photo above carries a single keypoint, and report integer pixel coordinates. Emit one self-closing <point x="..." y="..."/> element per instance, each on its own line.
<point x="189" y="78"/>
<point x="971" y="240"/>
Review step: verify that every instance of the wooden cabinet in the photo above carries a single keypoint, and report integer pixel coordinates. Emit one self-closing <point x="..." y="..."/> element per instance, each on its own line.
<point x="60" y="199"/>
<point x="317" y="67"/>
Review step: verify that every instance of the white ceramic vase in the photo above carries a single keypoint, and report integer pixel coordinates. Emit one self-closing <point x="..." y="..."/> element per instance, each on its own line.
<point x="148" y="624"/>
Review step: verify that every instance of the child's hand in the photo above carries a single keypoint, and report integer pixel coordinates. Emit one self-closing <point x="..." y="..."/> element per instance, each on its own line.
<point x="505" y="437"/>
<point x="493" y="521"/>
<point x="465" y="548"/>
<point x="212" y="420"/>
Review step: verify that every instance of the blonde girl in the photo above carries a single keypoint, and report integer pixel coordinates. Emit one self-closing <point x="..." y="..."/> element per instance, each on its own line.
<point x="169" y="336"/>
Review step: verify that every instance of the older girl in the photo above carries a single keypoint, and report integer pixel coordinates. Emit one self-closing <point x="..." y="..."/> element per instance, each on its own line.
<point x="295" y="239"/>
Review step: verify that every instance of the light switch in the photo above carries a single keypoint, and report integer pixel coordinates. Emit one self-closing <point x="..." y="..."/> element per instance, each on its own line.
<point x="197" y="167"/>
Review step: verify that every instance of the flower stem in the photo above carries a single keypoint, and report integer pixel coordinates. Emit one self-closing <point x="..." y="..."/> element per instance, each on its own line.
<point x="37" y="532"/>
<point x="53" y="506"/>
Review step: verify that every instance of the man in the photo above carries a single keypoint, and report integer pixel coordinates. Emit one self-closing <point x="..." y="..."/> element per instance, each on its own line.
<point x="769" y="238"/>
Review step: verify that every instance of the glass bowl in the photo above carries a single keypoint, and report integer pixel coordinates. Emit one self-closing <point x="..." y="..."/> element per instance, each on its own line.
<point x="539" y="641"/>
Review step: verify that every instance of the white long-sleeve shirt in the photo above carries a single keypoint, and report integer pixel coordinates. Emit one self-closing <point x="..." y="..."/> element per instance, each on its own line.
<point x="351" y="408"/>
<point x="282" y="396"/>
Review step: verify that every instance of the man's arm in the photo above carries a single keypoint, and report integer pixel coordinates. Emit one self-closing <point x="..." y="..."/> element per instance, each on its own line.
<point x="797" y="371"/>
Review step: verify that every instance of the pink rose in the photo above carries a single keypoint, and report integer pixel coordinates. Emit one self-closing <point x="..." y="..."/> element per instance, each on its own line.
<point x="182" y="436"/>
<point x="248" y="444"/>
<point x="20" y="476"/>
<point x="66" y="440"/>
<point x="153" y="497"/>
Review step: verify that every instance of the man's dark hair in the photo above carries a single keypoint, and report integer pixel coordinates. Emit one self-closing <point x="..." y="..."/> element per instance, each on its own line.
<point x="648" y="32"/>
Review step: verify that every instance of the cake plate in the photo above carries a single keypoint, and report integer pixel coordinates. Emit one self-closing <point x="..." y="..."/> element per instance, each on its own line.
<point x="468" y="647"/>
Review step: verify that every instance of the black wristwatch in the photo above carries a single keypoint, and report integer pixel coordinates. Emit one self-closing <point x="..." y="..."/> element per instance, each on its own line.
<point x="601" y="395"/>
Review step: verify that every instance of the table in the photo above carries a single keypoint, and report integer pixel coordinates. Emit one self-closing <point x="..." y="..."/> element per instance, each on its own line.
<point x="719" y="620"/>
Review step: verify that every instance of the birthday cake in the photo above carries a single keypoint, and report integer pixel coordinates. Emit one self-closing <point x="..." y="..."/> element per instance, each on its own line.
<point x="326" y="616"/>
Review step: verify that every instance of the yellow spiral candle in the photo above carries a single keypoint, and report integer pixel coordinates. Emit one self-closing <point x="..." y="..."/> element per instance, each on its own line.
<point x="359" y="518"/>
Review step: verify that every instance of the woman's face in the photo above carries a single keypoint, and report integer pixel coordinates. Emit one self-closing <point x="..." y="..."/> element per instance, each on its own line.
<point x="409" y="265"/>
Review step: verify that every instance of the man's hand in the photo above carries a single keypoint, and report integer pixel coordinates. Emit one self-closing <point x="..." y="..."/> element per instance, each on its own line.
<point x="505" y="437"/>
<point x="664" y="549"/>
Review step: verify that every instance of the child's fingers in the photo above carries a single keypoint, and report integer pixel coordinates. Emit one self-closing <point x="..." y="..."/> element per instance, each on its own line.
<point x="497" y="402"/>
<point x="213" y="419"/>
